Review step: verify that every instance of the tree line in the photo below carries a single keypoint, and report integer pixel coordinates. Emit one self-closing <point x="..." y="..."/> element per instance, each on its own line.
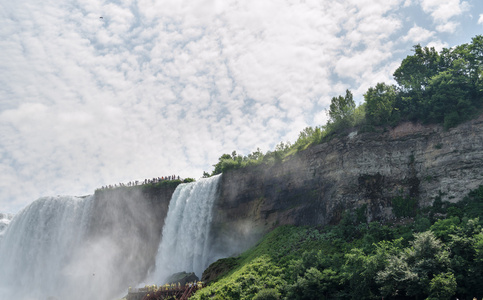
<point x="443" y="87"/>
<point x="432" y="87"/>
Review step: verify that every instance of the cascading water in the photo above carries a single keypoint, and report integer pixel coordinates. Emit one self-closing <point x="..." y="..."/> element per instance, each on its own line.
<point x="4" y="221"/>
<point x="184" y="243"/>
<point x="38" y="246"/>
<point x="92" y="247"/>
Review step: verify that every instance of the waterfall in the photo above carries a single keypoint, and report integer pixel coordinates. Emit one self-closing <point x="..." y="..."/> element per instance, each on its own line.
<point x="38" y="246"/>
<point x="184" y="243"/>
<point x="4" y="221"/>
<point x="94" y="247"/>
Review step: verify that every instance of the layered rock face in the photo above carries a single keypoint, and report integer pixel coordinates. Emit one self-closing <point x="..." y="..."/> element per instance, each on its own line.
<point x="361" y="172"/>
<point x="364" y="171"/>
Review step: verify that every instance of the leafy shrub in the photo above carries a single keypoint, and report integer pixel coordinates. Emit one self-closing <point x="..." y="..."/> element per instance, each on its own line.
<point x="267" y="294"/>
<point x="404" y="206"/>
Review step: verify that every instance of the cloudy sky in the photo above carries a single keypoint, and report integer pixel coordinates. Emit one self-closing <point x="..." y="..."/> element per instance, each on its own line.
<point x="156" y="88"/>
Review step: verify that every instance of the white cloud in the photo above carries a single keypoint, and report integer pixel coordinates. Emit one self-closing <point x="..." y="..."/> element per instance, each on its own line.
<point x="480" y="19"/>
<point x="437" y="45"/>
<point x="408" y="3"/>
<point x="418" y="35"/>
<point x="447" y="27"/>
<point x="156" y="88"/>
<point x="443" y="11"/>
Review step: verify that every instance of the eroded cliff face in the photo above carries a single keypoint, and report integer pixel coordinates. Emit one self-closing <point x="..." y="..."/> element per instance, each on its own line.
<point x="364" y="171"/>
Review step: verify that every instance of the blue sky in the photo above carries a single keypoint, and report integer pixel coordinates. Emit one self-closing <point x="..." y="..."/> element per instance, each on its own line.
<point x="156" y="88"/>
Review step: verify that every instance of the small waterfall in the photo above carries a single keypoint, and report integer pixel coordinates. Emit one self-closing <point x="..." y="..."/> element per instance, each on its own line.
<point x="184" y="243"/>
<point x="38" y="245"/>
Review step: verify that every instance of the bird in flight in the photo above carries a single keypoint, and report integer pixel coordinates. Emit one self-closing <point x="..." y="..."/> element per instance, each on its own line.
<point x="101" y="17"/>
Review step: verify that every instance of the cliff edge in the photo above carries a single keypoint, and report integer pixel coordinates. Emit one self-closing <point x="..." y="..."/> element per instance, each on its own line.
<point x="362" y="172"/>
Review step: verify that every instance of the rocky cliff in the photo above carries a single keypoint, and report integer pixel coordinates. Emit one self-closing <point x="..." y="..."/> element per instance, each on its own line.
<point x="360" y="171"/>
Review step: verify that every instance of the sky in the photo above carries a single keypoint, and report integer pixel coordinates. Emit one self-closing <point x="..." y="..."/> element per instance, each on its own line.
<point x="98" y="92"/>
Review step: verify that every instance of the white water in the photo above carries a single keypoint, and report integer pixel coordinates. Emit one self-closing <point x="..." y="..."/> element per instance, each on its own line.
<point x="4" y="222"/>
<point x="46" y="254"/>
<point x="184" y="244"/>
<point x="38" y="247"/>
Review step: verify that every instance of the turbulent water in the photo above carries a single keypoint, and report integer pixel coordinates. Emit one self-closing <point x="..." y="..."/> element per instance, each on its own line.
<point x="184" y="244"/>
<point x="50" y="250"/>
<point x="38" y="249"/>
<point x="4" y="222"/>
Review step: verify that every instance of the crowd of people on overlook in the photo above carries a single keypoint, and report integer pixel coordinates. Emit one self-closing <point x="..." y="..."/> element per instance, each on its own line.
<point x="166" y="287"/>
<point x="142" y="182"/>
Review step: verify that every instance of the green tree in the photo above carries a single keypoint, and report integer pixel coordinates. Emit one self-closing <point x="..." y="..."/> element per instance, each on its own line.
<point x="314" y="284"/>
<point x="225" y="162"/>
<point x="396" y="277"/>
<point x="463" y="244"/>
<point x="442" y="287"/>
<point x="341" y="110"/>
<point x="360" y="271"/>
<point x="267" y="294"/>
<point x="409" y="273"/>
<point x="308" y="136"/>
<point x="476" y="51"/>
<point x="413" y="77"/>
<point x="415" y="71"/>
<point x="444" y="228"/>
<point x="380" y="102"/>
<point x="452" y="93"/>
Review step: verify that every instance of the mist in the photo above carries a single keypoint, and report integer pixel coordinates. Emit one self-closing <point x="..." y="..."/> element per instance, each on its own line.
<point x="66" y="247"/>
<point x="96" y="247"/>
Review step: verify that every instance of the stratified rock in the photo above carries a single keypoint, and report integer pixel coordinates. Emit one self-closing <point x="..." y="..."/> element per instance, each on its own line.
<point x="359" y="171"/>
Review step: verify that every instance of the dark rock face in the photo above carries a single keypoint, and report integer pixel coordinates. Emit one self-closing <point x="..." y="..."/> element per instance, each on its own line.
<point x="182" y="278"/>
<point x="127" y="223"/>
<point x="360" y="170"/>
<point x="218" y="268"/>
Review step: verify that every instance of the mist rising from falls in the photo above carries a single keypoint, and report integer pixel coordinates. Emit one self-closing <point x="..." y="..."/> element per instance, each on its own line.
<point x="95" y="247"/>
<point x="185" y="241"/>
<point x="75" y="248"/>
<point x="39" y="246"/>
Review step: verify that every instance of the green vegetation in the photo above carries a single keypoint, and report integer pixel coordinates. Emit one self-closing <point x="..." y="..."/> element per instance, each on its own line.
<point x="443" y="87"/>
<point x="437" y="256"/>
<point x="341" y="111"/>
<point x="432" y="87"/>
<point x="166" y="183"/>
<point x="229" y="162"/>
<point x="380" y="101"/>
<point x="404" y="206"/>
<point x="149" y="186"/>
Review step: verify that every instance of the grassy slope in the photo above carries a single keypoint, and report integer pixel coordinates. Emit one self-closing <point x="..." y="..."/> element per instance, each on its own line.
<point x="337" y="256"/>
<point x="265" y="265"/>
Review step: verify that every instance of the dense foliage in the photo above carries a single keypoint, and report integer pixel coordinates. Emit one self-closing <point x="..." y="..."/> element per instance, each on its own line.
<point x="148" y="186"/>
<point x="432" y="87"/>
<point x="439" y="255"/>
